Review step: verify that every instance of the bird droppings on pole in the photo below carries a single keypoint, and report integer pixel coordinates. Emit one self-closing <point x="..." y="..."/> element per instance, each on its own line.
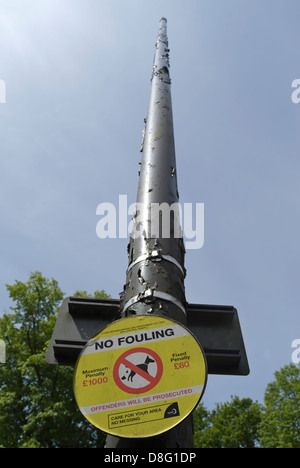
<point x="155" y="274"/>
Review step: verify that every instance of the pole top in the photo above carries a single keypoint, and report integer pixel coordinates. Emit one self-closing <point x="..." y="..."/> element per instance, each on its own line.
<point x="163" y="19"/>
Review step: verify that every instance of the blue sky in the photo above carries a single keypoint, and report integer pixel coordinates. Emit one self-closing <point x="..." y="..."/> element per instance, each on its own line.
<point x="77" y="75"/>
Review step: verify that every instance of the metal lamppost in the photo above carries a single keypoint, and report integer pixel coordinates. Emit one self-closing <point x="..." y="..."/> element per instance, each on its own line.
<point x="155" y="275"/>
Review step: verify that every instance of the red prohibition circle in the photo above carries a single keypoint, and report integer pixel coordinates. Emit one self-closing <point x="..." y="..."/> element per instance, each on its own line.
<point x="153" y="381"/>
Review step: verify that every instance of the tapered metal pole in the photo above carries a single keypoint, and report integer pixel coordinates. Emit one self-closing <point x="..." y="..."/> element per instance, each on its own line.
<point x="155" y="274"/>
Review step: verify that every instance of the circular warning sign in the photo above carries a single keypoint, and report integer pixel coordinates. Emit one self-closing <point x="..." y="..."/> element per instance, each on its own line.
<point x="140" y="376"/>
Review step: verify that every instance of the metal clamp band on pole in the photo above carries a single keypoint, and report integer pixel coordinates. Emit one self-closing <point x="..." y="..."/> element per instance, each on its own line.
<point x="155" y="256"/>
<point x="156" y="294"/>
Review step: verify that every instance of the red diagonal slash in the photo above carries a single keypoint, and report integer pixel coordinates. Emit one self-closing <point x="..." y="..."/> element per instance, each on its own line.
<point x="138" y="371"/>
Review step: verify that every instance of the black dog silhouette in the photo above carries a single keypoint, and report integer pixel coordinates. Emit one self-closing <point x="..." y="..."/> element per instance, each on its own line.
<point x="144" y="367"/>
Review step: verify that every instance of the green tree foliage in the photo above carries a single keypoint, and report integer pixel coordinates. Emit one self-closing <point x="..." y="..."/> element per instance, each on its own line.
<point x="98" y="294"/>
<point x="229" y="425"/>
<point x="280" y="426"/>
<point x="247" y="424"/>
<point x="37" y="406"/>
